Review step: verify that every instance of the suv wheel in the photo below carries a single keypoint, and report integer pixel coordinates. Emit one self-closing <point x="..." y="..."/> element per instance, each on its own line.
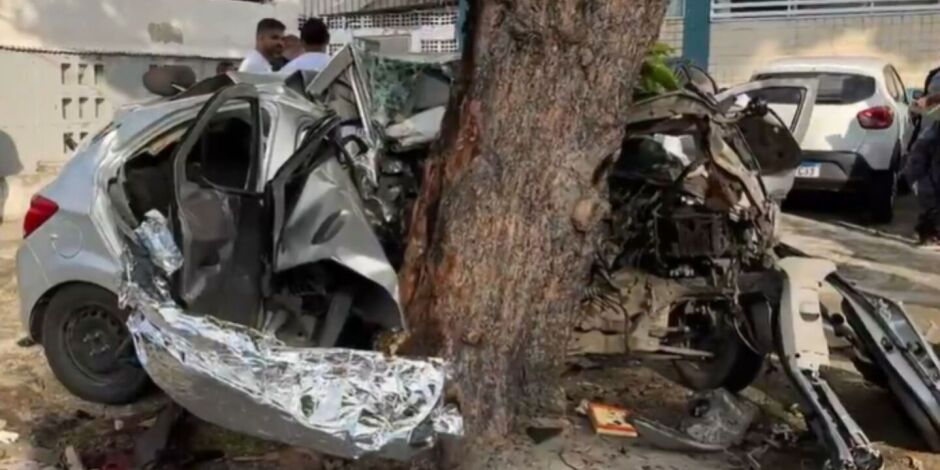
<point x="883" y="192"/>
<point x="89" y="348"/>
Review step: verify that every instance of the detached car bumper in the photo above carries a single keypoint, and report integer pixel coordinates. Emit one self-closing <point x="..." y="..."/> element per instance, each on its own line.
<point x="832" y="171"/>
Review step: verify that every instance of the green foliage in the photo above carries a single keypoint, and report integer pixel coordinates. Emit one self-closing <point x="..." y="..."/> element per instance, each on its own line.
<point x="656" y="75"/>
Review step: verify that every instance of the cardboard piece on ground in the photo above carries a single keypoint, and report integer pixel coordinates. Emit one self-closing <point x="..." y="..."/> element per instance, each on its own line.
<point x="610" y="420"/>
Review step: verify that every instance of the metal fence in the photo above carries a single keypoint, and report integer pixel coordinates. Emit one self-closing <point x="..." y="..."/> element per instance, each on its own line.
<point x="350" y="7"/>
<point x="738" y="9"/>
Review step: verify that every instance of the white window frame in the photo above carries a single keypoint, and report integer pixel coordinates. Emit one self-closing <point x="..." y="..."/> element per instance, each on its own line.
<point x="724" y="10"/>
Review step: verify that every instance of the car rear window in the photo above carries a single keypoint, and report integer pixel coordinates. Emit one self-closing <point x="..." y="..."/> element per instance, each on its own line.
<point x="835" y="88"/>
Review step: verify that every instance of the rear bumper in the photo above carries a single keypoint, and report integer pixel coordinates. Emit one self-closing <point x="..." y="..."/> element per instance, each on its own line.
<point x="838" y="171"/>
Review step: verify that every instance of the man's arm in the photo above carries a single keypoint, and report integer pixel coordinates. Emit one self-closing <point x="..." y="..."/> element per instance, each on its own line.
<point x="929" y="101"/>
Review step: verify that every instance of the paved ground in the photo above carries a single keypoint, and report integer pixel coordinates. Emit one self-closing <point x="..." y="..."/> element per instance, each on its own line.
<point x="46" y="418"/>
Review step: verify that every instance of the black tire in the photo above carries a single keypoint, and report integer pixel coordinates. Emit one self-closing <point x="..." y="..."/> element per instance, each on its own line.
<point x="870" y="372"/>
<point x="734" y="367"/>
<point x="882" y="194"/>
<point x="85" y="366"/>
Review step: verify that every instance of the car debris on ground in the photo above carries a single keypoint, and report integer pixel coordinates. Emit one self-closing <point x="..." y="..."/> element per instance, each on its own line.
<point x="610" y="420"/>
<point x="693" y="273"/>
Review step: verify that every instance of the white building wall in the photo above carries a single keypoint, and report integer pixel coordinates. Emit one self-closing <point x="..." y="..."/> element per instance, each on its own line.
<point x="908" y="40"/>
<point x="671" y="33"/>
<point x="433" y="31"/>
<point x="69" y="64"/>
<point x="208" y="28"/>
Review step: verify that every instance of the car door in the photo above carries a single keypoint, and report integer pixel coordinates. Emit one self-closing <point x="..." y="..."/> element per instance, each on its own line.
<point x="902" y="108"/>
<point x="775" y="137"/>
<point x="219" y="212"/>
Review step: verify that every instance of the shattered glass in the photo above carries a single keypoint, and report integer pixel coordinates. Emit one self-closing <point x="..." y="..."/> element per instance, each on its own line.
<point x="398" y="84"/>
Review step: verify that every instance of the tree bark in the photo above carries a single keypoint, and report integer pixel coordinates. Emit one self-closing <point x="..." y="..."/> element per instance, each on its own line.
<point x="504" y="231"/>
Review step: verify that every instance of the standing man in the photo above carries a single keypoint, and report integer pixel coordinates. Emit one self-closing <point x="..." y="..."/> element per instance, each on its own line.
<point x="292" y="49"/>
<point x="923" y="168"/>
<point x="268" y="46"/>
<point x="315" y="37"/>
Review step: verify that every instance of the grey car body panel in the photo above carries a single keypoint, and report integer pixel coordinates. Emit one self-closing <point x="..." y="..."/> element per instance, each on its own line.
<point x="327" y="223"/>
<point x="68" y="248"/>
<point x="81" y="190"/>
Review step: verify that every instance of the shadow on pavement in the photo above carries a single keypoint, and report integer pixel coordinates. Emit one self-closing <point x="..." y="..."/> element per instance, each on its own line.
<point x="850" y="209"/>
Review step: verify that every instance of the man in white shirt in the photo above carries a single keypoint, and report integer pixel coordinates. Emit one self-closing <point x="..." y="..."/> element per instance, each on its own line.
<point x="268" y="45"/>
<point x="316" y="38"/>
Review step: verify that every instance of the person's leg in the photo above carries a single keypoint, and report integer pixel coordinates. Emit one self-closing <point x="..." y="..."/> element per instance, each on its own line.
<point x="928" y="224"/>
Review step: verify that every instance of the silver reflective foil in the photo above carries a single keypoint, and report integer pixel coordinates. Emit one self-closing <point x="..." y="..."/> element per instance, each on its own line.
<point x="155" y="236"/>
<point x="345" y="403"/>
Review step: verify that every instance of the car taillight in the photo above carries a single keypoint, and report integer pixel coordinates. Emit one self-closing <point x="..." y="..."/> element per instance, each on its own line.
<point x="40" y="210"/>
<point x="879" y="117"/>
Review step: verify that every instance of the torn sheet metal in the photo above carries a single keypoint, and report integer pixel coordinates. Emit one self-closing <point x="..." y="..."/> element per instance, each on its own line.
<point x="346" y="403"/>
<point x="718" y="417"/>
<point x="155" y="236"/>
<point x="716" y="421"/>
<point x="418" y="130"/>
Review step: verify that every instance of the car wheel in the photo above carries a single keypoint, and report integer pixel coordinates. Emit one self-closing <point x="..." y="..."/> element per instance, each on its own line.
<point x="734" y="365"/>
<point x="89" y="348"/>
<point x="883" y="192"/>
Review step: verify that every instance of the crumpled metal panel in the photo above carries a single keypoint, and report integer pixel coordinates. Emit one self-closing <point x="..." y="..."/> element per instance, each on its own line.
<point x="345" y="403"/>
<point x="155" y="236"/>
<point x="719" y="418"/>
<point x="341" y="402"/>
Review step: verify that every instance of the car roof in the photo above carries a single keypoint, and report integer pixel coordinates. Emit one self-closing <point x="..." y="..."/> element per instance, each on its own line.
<point x="130" y="120"/>
<point x="872" y="66"/>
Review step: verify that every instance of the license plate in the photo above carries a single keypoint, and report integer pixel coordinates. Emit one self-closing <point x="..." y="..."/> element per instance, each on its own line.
<point x="808" y="171"/>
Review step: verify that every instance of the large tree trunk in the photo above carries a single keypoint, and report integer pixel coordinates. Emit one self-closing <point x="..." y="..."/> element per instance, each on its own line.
<point x="504" y="230"/>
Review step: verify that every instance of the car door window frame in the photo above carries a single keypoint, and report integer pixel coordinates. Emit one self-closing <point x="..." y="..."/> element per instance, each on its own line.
<point x="900" y="84"/>
<point x="892" y="85"/>
<point x="218" y="103"/>
<point x="804" y="110"/>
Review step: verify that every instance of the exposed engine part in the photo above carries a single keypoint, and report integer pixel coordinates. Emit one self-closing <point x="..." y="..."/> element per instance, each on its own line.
<point x="686" y="233"/>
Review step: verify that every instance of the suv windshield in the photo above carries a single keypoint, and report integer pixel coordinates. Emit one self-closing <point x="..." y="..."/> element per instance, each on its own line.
<point x="834" y="88"/>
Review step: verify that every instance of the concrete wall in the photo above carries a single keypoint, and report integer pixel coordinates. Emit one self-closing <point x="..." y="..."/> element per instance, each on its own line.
<point x="211" y="28"/>
<point x="68" y="64"/>
<point x="910" y="41"/>
<point x="422" y="31"/>
<point x="671" y="33"/>
<point x="433" y="31"/>
<point x="53" y="101"/>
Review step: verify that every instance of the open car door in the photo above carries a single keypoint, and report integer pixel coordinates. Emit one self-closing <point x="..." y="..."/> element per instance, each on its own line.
<point x="219" y="215"/>
<point x="774" y="136"/>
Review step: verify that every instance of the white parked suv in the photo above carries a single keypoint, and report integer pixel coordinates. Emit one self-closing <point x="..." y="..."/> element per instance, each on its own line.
<point x="859" y="129"/>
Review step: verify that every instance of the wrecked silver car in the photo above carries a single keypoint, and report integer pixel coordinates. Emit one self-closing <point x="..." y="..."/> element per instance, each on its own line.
<point x="245" y="233"/>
